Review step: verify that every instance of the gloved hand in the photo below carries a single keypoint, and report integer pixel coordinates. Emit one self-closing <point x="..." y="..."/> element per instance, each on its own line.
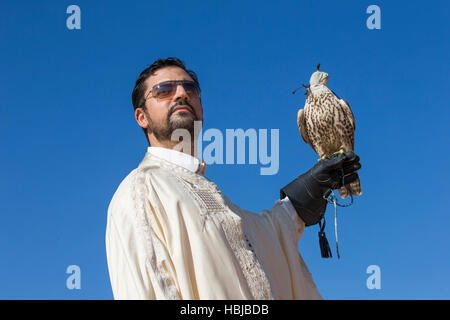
<point x="309" y="191"/>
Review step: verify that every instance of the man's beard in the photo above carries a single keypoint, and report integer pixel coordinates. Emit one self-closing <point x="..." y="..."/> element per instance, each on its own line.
<point x="183" y="120"/>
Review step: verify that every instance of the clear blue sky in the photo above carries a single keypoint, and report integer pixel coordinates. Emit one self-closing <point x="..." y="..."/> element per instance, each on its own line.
<point x="68" y="135"/>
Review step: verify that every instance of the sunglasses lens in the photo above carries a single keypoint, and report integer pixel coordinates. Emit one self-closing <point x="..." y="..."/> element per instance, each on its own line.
<point x="164" y="90"/>
<point x="191" y="88"/>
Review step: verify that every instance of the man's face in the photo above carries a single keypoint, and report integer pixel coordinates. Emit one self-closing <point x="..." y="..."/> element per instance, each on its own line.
<point x="163" y="116"/>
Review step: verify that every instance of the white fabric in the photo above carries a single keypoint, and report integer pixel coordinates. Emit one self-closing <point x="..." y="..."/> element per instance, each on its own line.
<point x="171" y="234"/>
<point x="179" y="158"/>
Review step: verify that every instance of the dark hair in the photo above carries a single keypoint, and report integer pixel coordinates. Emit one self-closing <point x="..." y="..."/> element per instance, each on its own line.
<point x="137" y="96"/>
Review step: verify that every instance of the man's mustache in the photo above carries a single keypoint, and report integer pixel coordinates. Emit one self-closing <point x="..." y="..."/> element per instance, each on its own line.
<point x="181" y="103"/>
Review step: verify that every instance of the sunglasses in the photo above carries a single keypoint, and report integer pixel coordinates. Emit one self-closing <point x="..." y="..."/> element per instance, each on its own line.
<point x="167" y="89"/>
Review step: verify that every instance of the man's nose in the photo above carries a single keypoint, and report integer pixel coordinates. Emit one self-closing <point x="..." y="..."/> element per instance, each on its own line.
<point x="180" y="93"/>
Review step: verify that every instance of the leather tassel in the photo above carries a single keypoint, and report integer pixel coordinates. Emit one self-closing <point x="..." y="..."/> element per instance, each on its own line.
<point x="325" y="250"/>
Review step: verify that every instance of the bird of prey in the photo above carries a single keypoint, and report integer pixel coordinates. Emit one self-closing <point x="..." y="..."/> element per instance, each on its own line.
<point x="327" y="124"/>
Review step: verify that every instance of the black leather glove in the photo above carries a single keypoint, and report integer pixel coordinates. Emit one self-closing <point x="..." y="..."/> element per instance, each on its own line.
<point x="309" y="191"/>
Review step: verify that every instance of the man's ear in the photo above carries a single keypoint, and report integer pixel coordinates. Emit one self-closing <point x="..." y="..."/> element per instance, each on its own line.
<point x="141" y="119"/>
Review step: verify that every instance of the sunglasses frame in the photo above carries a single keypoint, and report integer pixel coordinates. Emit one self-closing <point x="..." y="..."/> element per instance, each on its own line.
<point x="177" y="82"/>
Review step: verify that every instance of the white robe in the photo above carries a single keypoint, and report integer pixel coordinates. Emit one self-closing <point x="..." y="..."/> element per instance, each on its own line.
<point x="172" y="234"/>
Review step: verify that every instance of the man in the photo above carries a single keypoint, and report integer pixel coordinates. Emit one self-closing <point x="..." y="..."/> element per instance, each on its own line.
<point x="172" y="234"/>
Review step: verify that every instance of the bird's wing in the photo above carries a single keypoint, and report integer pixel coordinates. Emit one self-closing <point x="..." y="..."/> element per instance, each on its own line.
<point x="348" y="112"/>
<point x="301" y="121"/>
<point x="347" y="109"/>
<point x="346" y="106"/>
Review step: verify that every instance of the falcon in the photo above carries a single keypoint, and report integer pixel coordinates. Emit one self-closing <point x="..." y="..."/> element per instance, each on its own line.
<point x="327" y="124"/>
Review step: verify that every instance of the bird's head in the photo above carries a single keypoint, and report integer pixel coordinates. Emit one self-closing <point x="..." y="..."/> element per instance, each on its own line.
<point x="318" y="78"/>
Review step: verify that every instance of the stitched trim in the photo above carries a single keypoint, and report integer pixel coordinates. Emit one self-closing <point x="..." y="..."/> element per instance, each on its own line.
<point x="158" y="273"/>
<point x="251" y="267"/>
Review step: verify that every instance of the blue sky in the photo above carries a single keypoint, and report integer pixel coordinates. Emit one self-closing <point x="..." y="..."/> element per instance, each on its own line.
<point x="69" y="136"/>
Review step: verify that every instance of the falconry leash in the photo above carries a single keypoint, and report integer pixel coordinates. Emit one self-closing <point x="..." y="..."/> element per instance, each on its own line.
<point x="331" y="199"/>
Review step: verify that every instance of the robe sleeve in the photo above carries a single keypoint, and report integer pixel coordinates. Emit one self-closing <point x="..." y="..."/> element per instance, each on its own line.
<point x="276" y="232"/>
<point x="138" y="261"/>
<point x="289" y="228"/>
<point x="282" y="219"/>
<point x="298" y="223"/>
